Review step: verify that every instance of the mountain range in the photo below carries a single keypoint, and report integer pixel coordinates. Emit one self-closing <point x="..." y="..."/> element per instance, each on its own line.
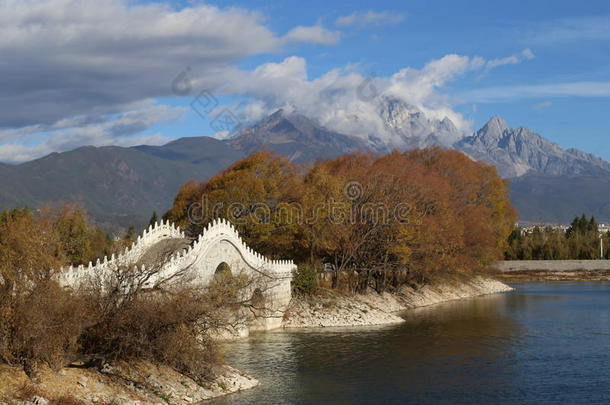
<point x="120" y="186"/>
<point x="519" y="151"/>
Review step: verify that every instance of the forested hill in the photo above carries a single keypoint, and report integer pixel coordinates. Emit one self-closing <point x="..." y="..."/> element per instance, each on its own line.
<point x="117" y="186"/>
<point x="121" y="186"/>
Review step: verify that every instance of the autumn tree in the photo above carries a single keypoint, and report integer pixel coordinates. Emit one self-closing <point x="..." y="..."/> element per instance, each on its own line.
<point x="329" y="230"/>
<point x="479" y="198"/>
<point x="375" y="220"/>
<point x="38" y="320"/>
<point x="416" y="213"/>
<point x="258" y="194"/>
<point x="30" y="246"/>
<point x="81" y="241"/>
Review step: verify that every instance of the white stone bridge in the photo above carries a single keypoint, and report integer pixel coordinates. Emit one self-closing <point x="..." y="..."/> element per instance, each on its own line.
<point x="218" y="248"/>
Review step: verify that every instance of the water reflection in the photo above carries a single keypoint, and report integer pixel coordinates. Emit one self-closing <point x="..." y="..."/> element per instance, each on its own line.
<point x="538" y="342"/>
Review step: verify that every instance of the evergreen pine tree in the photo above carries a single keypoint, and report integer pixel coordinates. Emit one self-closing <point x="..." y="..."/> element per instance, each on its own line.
<point x="153" y="218"/>
<point x="130" y="235"/>
<point x="583" y="224"/>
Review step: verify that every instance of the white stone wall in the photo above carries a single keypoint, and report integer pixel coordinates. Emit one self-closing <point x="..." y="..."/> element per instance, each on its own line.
<point x="154" y="233"/>
<point x="552" y="265"/>
<point x="208" y="250"/>
<point x="218" y="243"/>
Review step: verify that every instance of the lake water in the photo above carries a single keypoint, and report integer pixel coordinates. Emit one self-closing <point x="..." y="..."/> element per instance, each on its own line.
<point x="546" y="343"/>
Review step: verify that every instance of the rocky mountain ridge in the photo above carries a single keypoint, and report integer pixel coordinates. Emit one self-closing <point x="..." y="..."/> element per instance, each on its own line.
<point x="122" y="186"/>
<point x="296" y="136"/>
<point x="519" y="151"/>
<point x="513" y="151"/>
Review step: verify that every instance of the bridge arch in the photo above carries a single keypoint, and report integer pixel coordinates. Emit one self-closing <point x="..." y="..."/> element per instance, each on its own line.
<point x="217" y="248"/>
<point x="223" y="269"/>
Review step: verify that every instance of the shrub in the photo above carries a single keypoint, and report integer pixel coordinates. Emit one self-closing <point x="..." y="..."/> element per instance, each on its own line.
<point x="41" y="325"/>
<point x="39" y="321"/>
<point x="169" y="324"/>
<point x="305" y="280"/>
<point x="161" y="328"/>
<point x="117" y="316"/>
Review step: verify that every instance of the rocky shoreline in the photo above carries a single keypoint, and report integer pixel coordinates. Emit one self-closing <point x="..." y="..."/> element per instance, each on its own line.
<point x="134" y="384"/>
<point x="144" y="383"/>
<point x="381" y="309"/>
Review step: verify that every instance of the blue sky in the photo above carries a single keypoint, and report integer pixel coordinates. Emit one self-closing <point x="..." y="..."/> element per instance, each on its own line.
<point x="557" y="82"/>
<point x="432" y="29"/>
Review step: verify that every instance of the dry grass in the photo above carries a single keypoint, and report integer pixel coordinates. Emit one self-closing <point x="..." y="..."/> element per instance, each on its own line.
<point x="28" y="391"/>
<point x="49" y="326"/>
<point x="41" y="325"/>
<point x="63" y="388"/>
<point x="16" y="386"/>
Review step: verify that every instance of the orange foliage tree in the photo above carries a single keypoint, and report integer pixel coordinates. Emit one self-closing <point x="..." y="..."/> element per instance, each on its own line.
<point x="258" y="194"/>
<point x="380" y="220"/>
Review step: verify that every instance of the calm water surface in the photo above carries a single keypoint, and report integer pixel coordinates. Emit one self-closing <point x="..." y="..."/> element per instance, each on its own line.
<point x="545" y="343"/>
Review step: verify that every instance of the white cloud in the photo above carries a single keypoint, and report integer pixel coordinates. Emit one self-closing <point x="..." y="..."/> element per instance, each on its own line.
<point x="346" y="101"/>
<point x="315" y="34"/>
<point x="369" y="18"/>
<point x="71" y="57"/>
<point x="78" y="72"/>
<point x="542" y="105"/>
<point x="67" y="64"/>
<point x="292" y="67"/>
<point x="524" y="55"/>
<point x="222" y="135"/>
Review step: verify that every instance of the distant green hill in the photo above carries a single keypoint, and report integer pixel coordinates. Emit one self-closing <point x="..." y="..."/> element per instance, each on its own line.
<point x="560" y="198"/>
<point x="118" y="186"/>
<point x="122" y="186"/>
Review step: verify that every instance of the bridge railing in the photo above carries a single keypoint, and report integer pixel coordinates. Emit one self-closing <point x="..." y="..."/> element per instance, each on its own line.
<point x="218" y="228"/>
<point x="222" y="229"/>
<point x="151" y="235"/>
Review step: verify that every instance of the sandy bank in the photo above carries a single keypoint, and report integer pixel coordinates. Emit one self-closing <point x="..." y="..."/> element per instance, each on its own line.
<point x="138" y="384"/>
<point x="379" y="309"/>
